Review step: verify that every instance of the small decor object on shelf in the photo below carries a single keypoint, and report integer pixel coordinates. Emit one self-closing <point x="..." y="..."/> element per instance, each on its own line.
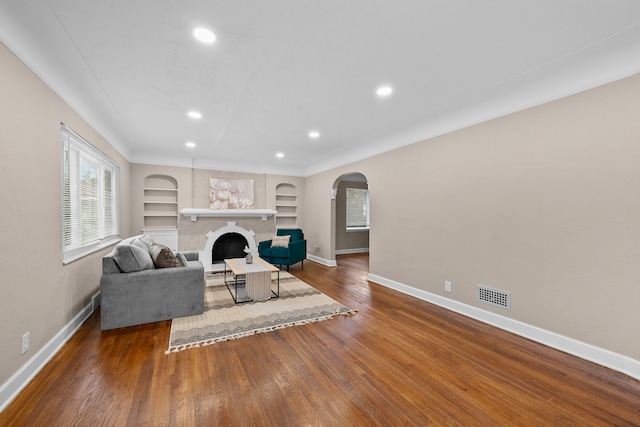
<point x="249" y="257"/>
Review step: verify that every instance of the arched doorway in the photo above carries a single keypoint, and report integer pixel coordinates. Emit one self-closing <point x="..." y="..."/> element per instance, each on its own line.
<point x="350" y="210"/>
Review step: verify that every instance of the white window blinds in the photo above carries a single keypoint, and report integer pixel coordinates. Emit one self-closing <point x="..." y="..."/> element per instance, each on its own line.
<point x="89" y="197"/>
<point x="357" y="208"/>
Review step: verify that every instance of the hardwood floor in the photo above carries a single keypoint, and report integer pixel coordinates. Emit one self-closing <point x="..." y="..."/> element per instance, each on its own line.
<point x="398" y="361"/>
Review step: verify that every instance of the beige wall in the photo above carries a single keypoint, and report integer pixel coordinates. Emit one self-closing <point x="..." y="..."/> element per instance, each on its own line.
<point x="544" y="203"/>
<point x="318" y="207"/>
<point x="39" y="294"/>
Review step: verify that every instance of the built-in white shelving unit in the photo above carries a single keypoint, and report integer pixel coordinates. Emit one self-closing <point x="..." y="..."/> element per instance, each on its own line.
<point x="161" y="209"/>
<point x="160" y="202"/>
<point x="286" y="206"/>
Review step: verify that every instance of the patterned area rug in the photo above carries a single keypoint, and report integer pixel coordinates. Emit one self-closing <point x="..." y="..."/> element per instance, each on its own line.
<point x="224" y="320"/>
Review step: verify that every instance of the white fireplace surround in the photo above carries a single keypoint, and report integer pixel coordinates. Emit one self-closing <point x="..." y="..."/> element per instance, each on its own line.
<point x="212" y="236"/>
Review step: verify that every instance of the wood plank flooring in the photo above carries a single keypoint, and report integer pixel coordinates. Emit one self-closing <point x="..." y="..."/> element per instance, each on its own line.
<point x="398" y="361"/>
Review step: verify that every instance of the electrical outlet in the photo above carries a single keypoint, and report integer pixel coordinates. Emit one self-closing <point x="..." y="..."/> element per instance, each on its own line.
<point x="25" y="343"/>
<point x="447" y="286"/>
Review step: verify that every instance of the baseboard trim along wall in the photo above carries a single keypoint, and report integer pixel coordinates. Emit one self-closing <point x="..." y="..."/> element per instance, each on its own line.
<point x="352" y="251"/>
<point x="327" y="262"/>
<point x="603" y="357"/>
<point x="18" y="381"/>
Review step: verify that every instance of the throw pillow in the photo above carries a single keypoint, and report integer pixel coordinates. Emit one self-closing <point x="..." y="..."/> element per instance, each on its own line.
<point x="280" y="241"/>
<point x="131" y="258"/>
<point x="163" y="257"/>
<point x="182" y="259"/>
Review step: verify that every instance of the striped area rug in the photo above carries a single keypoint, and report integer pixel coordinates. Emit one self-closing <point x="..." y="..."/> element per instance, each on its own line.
<point x="224" y="320"/>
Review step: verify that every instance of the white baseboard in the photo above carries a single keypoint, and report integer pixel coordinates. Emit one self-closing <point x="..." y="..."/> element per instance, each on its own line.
<point x="352" y="251"/>
<point x="18" y="381"/>
<point x="327" y="262"/>
<point x="603" y="357"/>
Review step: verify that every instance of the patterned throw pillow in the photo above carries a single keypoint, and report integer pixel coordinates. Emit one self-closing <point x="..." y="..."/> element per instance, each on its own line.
<point x="163" y="257"/>
<point x="280" y="241"/>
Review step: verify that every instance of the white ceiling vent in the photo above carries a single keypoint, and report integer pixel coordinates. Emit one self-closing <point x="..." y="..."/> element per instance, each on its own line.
<point x="494" y="297"/>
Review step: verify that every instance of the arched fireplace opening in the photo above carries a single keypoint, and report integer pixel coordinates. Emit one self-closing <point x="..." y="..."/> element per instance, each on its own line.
<point x="229" y="245"/>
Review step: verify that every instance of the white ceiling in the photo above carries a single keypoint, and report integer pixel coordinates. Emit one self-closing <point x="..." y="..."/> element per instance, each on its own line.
<point x="281" y="68"/>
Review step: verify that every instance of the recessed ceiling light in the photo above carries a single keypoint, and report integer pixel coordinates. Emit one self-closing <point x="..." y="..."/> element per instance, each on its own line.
<point x="204" y="35"/>
<point x="195" y="114"/>
<point x="279" y="155"/>
<point x="384" y="91"/>
<point x="314" y="134"/>
<point x="190" y="144"/>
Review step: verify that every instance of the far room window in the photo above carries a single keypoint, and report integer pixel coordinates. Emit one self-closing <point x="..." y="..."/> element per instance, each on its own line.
<point x="90" y="211"/>
<point x="357" y="209"/>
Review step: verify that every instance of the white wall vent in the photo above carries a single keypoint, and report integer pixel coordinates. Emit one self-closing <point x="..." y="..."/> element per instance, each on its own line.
<point x="494" y="297"/>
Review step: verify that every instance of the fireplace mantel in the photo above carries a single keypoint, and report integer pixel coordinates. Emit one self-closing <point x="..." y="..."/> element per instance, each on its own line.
<point x="194" y="213"/>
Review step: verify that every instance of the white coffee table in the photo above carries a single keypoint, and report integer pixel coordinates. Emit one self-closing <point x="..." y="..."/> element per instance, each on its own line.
<point x="251" y="282"/>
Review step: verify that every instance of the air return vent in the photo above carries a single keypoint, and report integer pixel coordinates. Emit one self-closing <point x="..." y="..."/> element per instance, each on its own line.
<point x="494" y="297"/>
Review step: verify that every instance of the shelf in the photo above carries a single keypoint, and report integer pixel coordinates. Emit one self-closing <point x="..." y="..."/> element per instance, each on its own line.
<point x="165" y="214"/>
<point x="153" y="202"/>
<point x="194" y="214"/>
<point x="161" y="189"/>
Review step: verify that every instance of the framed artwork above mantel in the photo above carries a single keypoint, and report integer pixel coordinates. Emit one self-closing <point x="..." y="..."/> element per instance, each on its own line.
<point x="231" y="194"/>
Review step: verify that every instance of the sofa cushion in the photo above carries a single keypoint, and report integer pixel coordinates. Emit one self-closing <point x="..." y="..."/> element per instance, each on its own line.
<point x="280" y="241"/>
<point x="163" y="257"/>
<point x="139" y="243"/>
<point x="127" y="241"/>
<point x="131" y="258"/>
<point x="275" y="253"/>
<point x="147" y="240"/>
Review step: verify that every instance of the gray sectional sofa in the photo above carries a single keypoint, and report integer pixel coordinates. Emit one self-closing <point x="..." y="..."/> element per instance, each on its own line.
<point x="134" y="291"/>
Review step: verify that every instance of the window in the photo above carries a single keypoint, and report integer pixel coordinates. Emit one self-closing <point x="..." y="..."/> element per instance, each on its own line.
<point x="90" y="212"/>
<point x="357" y="209"/>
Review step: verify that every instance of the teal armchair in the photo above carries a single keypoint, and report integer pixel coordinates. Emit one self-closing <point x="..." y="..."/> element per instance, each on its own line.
<point x="295" y="252"/>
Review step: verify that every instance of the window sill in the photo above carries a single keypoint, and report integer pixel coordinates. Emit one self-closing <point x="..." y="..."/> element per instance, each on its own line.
<point x="75" y="254"/>
<point x="356" y="229"/>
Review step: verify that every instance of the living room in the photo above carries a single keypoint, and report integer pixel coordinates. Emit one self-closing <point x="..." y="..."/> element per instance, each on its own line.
<point x="540" y="201"/>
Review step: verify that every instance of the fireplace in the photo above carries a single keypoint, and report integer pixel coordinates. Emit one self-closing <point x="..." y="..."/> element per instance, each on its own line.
<point x="230" y="245"/>
<point x="227" y="242"/>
